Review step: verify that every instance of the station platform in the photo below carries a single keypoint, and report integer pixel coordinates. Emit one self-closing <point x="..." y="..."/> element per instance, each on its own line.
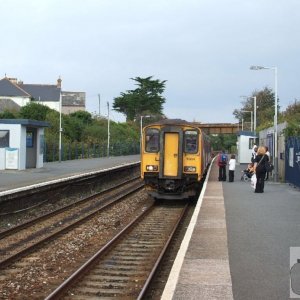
<point x="237" y="245"/>
<point x="15" y="179"/>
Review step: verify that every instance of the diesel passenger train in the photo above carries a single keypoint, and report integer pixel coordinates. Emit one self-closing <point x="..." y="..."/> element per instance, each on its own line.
<point x="175" y="155"/>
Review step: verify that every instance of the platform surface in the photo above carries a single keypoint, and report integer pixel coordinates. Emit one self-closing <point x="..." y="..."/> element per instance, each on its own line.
<point x="238" y="243"/>
<point x="12" y="179"/>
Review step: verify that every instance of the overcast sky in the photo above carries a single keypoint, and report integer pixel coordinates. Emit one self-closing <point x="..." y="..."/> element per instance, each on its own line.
<point x="203" y="48"/>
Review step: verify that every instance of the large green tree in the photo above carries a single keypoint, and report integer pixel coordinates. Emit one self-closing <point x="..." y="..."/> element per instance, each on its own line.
<point x="145" y="99"/>
<point x="265" y="101"/>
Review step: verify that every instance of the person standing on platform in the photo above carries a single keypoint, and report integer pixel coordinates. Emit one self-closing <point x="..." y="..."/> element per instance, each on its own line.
<point x="254" y="153"/>
<point x="231" y="167"/>
<point x="222" y="162"/>
<point x="260" y="169"/>
<point x="268" y="154"/>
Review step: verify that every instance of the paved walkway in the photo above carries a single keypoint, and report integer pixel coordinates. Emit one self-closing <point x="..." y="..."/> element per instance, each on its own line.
<point x="11" y="179"/>
<point x="247" y="259"/>
<point x="261" y="229"/>
<point x="201" y="269"/>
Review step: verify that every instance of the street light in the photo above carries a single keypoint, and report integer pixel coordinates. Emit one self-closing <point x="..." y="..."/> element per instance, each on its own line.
<point x="249" y="111"/>
<point x="254" y="110"/>
<point x="275" y="118"/>
<point x="60" y="130"/>
<point x="141" y="133"/>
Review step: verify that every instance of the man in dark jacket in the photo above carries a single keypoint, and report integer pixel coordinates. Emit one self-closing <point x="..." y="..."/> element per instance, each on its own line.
<point x="222" y="162"/>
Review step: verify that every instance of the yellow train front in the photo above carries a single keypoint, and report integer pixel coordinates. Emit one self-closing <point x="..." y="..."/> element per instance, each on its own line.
<point x="174" y="157"/>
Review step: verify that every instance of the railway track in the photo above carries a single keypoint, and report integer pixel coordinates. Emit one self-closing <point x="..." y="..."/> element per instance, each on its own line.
<point x="40" y="271"/>
<point x="123" y="268"/>
<point x="20" y="240"/>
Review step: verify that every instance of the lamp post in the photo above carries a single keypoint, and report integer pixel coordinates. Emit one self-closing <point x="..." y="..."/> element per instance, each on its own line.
<point x="141" y="133"/>
<point x="275" y="118"/>
<point x="251" y="112"/>
<point x="60" y="129"/>
<point x="108" y="129"/>
<point x="254" y="110"/>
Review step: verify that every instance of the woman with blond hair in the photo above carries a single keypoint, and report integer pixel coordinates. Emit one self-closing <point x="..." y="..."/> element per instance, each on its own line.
<point x="260" y="169"/>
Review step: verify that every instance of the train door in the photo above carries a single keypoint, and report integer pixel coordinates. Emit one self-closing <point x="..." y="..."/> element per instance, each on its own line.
<point x="171" y="154"/>
<point x="171" y="160"/>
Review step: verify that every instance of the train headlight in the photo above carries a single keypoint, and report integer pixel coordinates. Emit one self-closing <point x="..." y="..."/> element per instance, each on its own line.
<point x="151" y="168"/>
<point x="189" y="169"/>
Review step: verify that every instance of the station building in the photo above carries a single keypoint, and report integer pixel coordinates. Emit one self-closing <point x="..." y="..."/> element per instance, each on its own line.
<point x="21" y="144"/>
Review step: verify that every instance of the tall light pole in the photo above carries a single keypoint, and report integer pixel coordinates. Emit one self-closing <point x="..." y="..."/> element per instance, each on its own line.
<point x="60" y="128"/>
<point x="275" y="119"/>
<point x="251" y="112"/>
<point x="254" y="122"/>
<point x="141" y="133"/>
<point x="99" y="104"/>
<point x="60" y="121"/>
<point x="108" y="130"/>
<point x="254" y="110"/>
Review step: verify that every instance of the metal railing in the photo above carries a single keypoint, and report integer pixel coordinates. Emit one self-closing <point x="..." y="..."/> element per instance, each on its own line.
<point x="72" y="151"/>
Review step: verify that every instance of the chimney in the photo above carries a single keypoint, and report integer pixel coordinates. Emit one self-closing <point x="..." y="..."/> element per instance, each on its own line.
<point x="13" y="80"/>
<point x="59" y="83"/>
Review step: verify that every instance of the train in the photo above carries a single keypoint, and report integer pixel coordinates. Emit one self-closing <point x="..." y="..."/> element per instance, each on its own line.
<point x="175" y="155"/>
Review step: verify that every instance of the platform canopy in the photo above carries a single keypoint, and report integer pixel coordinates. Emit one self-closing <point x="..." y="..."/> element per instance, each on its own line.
<point x="25" y="122"/>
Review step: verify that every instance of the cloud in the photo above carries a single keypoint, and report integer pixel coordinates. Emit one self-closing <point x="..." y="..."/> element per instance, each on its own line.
<point x="202" y="48"/>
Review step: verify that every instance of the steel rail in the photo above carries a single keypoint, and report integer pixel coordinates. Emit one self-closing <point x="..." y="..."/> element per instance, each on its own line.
<point x="31" y="222"/>
<point x="59" y="291"/>
<point x="144" y="289"/>
<point x="29" y="249"/>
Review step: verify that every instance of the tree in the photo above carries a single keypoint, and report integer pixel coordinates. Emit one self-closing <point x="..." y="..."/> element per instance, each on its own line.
<point x="84" y="116"/>
<point x="265" y="101"/>
<point x="292" y="116"/>
<point x="223" y="142"/>
<point x="7" y="115"/>
<point x="292" y="112"/>
<point x="34" y="111"/>
<point x="146" y="98"/>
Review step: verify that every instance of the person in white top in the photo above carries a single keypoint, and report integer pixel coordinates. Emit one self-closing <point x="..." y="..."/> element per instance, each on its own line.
<point x="254" y="153"/>
<point x="231" y="167"/>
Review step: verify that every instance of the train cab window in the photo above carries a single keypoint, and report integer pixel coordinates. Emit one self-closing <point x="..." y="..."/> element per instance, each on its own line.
<point x="190" y="141"/>
<point x="152" y="140"/>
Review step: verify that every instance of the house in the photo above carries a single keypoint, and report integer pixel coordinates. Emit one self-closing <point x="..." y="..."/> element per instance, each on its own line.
<point x="72" y="102"/>
<point x="15" y="94"/>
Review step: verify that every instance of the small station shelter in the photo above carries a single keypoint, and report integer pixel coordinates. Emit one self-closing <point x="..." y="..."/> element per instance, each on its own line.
<point x="21" y="144"/>
<point x="245" y="142"/>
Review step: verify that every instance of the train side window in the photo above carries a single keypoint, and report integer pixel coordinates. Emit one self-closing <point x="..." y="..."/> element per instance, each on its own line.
<point x="152" y="140"/>
<point x="190" y="141"/>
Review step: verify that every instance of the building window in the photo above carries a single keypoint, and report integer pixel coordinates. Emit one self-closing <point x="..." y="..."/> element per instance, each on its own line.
<point x="4" y="138"/>
<point x="252" y="142"/>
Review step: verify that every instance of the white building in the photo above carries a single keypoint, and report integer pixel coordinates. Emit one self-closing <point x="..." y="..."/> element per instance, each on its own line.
<point x="14" y="92"/>
<point x="21" y="144"/>
<point x="245" y="142"/>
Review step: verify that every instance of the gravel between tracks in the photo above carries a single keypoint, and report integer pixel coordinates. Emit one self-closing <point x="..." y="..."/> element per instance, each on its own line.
<point x="39" y="273"/>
